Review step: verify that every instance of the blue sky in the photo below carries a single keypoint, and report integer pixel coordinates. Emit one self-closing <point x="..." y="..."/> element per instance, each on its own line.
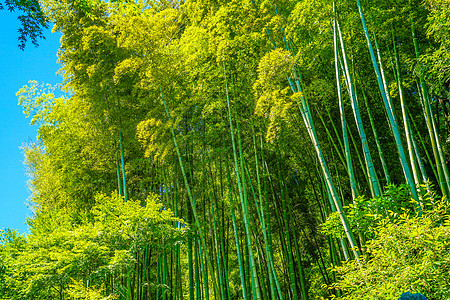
<point x="17" y="67"/>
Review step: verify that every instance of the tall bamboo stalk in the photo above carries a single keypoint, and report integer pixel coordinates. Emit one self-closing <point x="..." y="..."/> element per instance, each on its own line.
<point x="307" y="118"/>
<point x="243" y="199"/>
<point x="123" y="167"/>
<point x="390" y="112"/>
<point x="273" y="281"/>
<point x="236" y="238"/>
<point x="367" y="156"/>
<point x="341" y="110"/>
<point x="289" y="251"/>
<point x="305" y="111"/>
<point x="267" y="223"/>
<point x="204" y="273"/>
<point x="406" y="124"/>
<point x="191" y="200"/>
<point x="377" y="139"/>
<point x="441" y="167"/>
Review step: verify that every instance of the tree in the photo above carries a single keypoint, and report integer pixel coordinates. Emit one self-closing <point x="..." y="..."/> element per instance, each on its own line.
<point x="33" y="20"/>
<point x="228" y="111"/>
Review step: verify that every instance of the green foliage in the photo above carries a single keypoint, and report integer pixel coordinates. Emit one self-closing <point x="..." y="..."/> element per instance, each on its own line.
<point x="33" y="20"/>
<point x="37" y="101"/>
<point x="437" y="61"/>
<point x="75" y="259"/>
<point x="408" y="253"/>
<point x="11" y="245"/>
<point x="273" y="94"/>
<point x="213" y="64"/>
<point x="365" y="214"/>
<point x="77" y="290"/>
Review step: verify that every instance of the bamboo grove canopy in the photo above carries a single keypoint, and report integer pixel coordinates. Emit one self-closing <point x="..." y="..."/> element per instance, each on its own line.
<point x="209" y="149"/>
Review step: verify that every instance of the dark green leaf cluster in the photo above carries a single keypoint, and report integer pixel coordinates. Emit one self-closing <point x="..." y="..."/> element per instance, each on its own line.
<point x="33" y="21"/>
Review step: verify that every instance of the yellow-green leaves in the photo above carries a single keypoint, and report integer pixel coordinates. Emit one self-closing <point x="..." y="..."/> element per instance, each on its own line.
<point x="37" y="101"/>
<point x="193" y="47"/>
<point x="78" y="290"/>
<point x="75" y="258"/>
<point x="273" y="70"/>
<point x="153" y="135"/>
<point x="147" y="40"/>
<point x="408" y="254"/>
<point x="134" y="223"/>
<point x="273" y="91"/>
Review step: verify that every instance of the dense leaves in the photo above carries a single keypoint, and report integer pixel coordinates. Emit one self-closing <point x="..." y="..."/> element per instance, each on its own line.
<point x="75" y="259"/>
<point x="229" y="112"/>
<point x="407" y="254"/>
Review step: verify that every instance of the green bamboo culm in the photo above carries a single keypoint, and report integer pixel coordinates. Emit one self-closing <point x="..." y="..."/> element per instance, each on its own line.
<point x="178" y="283"/>
<point x="309" y="124"/>
<point x="165" y="274"/>
<point x="128" y="282"/>
<point x="119" y="184"/>
<point x="422" y="170"/>
<point x="204" y="272"/>
<point x="291" y="241"/>
<point x="305" y="111"/>
<point x="375" y="187"/>
<point x="286" y="221"/>
<point x="236" y="237"/>
<point x="332" y="141"/>
<point x="242" y="195"/>
<point x="198" y="288"/>
<point x="422" y="142"/>
<point x="123" y="166"/>
<point x="190" y="261"/>
<point x="267" y="223"/>
<point x="338" y="137"/>
<point x="341" y="110"/>
<point x="406" y="123"/>
<point x="217" y="250"/>
<point x="191" y="200"/>
<point x="382" y="73"/>
<point x="307" y="118"/>
<point x="390" y="113"/>
<point x="273" y="281"/>
<point x="301" y="272"/>
<point x="221" y="233"/>
<point x="442" y="170"/>
<point x="387" y="177"/>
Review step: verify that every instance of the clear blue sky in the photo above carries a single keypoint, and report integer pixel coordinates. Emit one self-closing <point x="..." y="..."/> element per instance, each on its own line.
<point x="17" y="67"/>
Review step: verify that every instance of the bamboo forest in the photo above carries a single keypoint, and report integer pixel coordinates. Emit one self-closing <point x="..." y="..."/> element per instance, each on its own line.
<point x="238" y="149"/>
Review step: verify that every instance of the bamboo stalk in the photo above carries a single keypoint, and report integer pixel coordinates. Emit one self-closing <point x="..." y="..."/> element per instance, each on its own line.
<point x="240" y="177"/>
<point x="286" y="221"/>
<point x="377" y="140"/>
<point x="267" y="223"/>
<point x="390" y="113"/>
<point x="191" y="199"/>
<point x="123" y="166"/>
<point x="304" y="110"/>
<point x="367" y="156"/>
<point x="434" y="136"/>
<point x="236" y="238"/>
<point x="406" y="124"/>
<point x="341" y="110"/>
<point x="270" y="267"/>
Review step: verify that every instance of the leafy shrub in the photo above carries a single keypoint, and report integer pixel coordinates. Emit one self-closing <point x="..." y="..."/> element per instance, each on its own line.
<point x="364" y="214"/>
<point x="407" y="254"/>
<point x="76" y="258"/>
